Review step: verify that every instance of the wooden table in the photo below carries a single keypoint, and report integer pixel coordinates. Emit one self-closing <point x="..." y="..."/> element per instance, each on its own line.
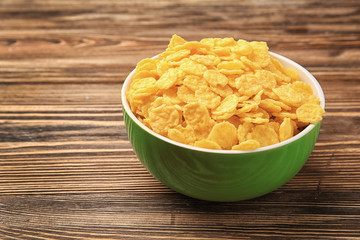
<point x="67" y="170"/>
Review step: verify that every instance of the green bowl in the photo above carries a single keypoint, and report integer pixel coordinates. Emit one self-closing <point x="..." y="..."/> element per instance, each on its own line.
<point x="222" y="175"/>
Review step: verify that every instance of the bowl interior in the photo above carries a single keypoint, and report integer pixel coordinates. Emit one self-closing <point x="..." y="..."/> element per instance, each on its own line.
<point x="304" y="76"/>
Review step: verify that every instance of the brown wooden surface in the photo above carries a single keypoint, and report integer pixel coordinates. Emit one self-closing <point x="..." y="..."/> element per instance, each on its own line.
<point x="67" y="170"/>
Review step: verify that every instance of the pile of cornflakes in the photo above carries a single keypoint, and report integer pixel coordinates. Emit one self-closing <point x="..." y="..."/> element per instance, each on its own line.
<point x="221" y="94"/>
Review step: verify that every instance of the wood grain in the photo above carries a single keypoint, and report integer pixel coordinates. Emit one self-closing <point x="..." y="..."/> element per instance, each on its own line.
<point x="67" y="169"/>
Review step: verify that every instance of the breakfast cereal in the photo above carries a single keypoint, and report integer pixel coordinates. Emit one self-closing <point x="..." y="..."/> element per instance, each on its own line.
<point x="221" y="94"/>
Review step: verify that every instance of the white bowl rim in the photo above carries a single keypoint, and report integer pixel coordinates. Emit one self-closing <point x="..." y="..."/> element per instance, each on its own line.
<point x="318" y="92"/>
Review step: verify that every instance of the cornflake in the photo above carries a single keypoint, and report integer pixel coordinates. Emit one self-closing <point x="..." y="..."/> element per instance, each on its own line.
<point x="221" y="94"/>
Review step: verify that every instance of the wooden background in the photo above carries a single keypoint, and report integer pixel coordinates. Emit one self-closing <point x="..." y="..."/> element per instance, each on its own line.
<point x="67" y="170"/>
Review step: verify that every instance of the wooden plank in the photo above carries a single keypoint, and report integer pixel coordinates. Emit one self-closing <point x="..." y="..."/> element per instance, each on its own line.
<point x="67" y="169"/>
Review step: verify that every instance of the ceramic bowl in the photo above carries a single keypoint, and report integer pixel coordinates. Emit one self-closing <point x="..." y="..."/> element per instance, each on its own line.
<point x="222" y="175"/>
